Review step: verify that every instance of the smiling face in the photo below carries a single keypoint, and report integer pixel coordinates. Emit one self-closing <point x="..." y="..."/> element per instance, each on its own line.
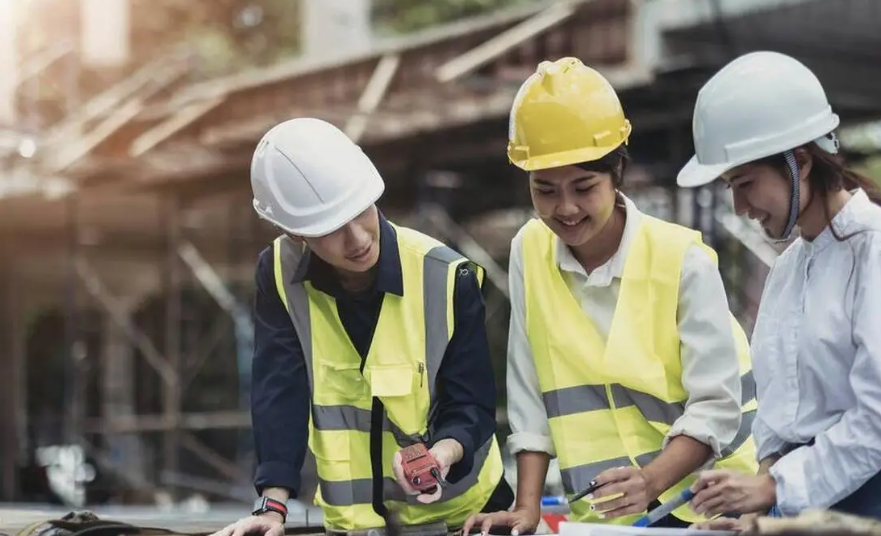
<point x="762" y="190"/>
<point x="352" y="248"/>
<point x="573" y="202"/>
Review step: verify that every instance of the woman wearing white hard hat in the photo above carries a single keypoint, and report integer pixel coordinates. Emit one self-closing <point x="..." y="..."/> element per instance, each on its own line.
<point x="764" y="125"/>
<point x="369" y="337"/>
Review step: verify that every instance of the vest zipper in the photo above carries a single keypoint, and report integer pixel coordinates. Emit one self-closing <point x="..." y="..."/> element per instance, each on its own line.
<point x="421" y="369"/>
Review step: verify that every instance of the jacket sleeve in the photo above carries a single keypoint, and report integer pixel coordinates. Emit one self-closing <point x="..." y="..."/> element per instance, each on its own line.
<point x="280" y="388"/>
<point x="466" y="382"/>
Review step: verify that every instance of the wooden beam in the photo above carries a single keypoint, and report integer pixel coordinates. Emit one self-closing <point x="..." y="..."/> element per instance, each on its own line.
<point x="505" y="41"/>
<point x="217" y="420"/>
<point x="373" y="93"/>
<point x="174" y="124"/>
<point x="212" y="457"/>
<point x="73" y="125"/>
<point x="439" y="217"/>
<point x="97" y="290"/>
<point x="76" y="145"/>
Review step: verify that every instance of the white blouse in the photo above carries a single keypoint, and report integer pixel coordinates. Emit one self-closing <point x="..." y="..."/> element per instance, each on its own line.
<point x="816" y="351"/>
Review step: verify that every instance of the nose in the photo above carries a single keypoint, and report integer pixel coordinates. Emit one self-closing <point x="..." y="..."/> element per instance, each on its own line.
<point x="357" y="236"/>
<point x="567" y="206"/>
<point x="740" y="204"/>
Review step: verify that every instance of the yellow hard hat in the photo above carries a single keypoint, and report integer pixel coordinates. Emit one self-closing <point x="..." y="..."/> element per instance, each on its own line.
<point x="566" y="113"/>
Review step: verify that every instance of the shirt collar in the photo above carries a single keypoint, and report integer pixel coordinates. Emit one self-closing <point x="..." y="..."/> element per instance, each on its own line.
<point x="389" y="274"/>
<point x="848" y="220"/>
<point x="603" y="275"/>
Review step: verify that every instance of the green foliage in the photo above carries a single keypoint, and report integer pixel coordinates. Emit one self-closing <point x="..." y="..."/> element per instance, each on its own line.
<point x="229" y="34"/>
<point x="411" y="15"/>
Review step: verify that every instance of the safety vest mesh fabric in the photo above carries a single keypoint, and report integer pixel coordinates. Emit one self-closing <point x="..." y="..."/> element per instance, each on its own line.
<point x="401" y="369"/>
<point x="611" y="404"/>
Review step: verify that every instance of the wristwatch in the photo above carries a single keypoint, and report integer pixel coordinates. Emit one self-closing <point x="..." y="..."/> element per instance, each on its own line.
<point x="265" y="504"/>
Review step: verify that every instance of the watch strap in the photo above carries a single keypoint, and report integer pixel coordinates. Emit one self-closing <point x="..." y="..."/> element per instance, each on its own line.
<point x="265" y="504"/>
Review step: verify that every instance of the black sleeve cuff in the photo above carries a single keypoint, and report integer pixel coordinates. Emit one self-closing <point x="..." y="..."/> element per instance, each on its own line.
<point x="277" y="474"/>
<point x="459" y="470"/>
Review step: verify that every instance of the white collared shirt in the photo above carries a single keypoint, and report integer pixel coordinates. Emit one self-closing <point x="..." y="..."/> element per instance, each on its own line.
<point x="710" y="369"/>
<point x="816" y="353"/>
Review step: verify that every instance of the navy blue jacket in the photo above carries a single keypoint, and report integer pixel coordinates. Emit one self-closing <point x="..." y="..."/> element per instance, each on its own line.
<point x="280" y="387"/>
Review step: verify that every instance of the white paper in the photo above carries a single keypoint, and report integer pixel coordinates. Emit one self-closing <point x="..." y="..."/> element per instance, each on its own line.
<point x="570" y="528"/>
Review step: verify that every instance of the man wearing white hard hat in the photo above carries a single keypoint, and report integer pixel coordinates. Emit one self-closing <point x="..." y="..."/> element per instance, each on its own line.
<point x="369" y="337"/>
<point x="763" y="125"/>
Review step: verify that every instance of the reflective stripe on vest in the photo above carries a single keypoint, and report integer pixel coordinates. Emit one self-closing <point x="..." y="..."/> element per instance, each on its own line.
<point x="610" y="403"/>
<point x="339" y="431"/>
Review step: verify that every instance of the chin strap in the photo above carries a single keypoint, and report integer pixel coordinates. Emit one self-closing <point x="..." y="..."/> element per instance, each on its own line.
<point x="828" y="143"/>
<point x="794" y="197"/>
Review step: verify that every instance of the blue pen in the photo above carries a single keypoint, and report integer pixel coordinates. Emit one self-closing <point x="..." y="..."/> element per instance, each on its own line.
<point x="655" y="515"/>
<point x="559" y="500"/>
<point x="554" y="500"/>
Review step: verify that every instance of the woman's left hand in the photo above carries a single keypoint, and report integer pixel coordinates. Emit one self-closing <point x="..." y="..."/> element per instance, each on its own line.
<point x="632" y="483"/>
<point x="724" y="491"/>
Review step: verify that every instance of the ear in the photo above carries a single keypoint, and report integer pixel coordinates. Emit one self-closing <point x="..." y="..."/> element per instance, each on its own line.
<point x="805" y="162"/>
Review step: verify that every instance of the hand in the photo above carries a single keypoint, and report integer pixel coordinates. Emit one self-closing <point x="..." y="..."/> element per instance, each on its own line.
<point x="268" y="524"/>
<point x="629" y="481"/>
<point x="520" y="520"/>
<point x="746" y="523"/>
<point x="724" y="491"/>
<point x="446" y="452"/>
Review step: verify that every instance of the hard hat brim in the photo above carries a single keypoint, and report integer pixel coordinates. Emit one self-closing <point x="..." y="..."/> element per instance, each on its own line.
<point x="333" y="219"/>
<point x="566" y="158"/>
<point x="695" y="174"/>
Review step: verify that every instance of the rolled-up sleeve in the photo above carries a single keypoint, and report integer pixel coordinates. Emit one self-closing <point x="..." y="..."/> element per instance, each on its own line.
<point x="526" y="411"/>
<point x="710" y="367"/>
<point x="848" y="453"/>
<point x="767" y="441"/>
<point x="280" y="388"/>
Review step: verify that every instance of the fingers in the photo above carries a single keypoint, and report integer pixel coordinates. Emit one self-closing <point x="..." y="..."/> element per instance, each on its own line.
<point x="616" y="474"/>
<point x="716" y="506"/>
<point x="709" y="477"/>
<point x="488" y="523"/>
<point x="626" y="510"/>
<point x="398" y="471"/>
<point x="466" y="527"/>
<point x="701" y="498"/>
<point x="426" y="498"/>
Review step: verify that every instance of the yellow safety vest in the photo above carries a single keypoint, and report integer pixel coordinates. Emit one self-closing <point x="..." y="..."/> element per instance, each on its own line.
<point x="611" y="404"/>
<point x="401" y="368"/>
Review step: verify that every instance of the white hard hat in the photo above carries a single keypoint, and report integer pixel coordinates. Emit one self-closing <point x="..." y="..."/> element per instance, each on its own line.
<point x="759" y="105"/>
<point x="310" y="179"/>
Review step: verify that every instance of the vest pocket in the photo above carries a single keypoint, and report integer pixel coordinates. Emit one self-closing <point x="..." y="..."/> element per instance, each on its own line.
<point x="342" y="382"/>
<point x="391" y="380"/>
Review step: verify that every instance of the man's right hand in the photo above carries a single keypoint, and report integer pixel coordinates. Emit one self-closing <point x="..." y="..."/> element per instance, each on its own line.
<point x="520" y="520"/>
<point x="268" y="524"/>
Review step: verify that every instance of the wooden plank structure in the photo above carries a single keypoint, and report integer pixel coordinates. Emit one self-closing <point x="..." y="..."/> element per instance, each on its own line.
<point x="144" y="192"/>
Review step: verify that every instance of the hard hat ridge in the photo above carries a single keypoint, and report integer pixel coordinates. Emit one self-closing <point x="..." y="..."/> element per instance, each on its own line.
<point x="309" y="179"/>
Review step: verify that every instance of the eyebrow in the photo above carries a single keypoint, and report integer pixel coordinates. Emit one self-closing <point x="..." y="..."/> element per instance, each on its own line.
<point x="579" y="180"/>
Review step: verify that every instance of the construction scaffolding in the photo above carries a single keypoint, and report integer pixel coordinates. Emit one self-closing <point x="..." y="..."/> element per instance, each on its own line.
<point x="129" y="242"/>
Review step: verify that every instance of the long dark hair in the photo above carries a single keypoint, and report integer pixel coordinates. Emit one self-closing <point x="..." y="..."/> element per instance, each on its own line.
<point x="829" y="174"/>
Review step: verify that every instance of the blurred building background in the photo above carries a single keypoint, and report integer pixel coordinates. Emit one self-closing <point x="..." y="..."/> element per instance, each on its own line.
<point x="127" y="237"/>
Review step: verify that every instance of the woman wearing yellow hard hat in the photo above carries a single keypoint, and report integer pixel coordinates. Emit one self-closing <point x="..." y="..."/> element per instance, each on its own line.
<point x="624" y="361"/>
